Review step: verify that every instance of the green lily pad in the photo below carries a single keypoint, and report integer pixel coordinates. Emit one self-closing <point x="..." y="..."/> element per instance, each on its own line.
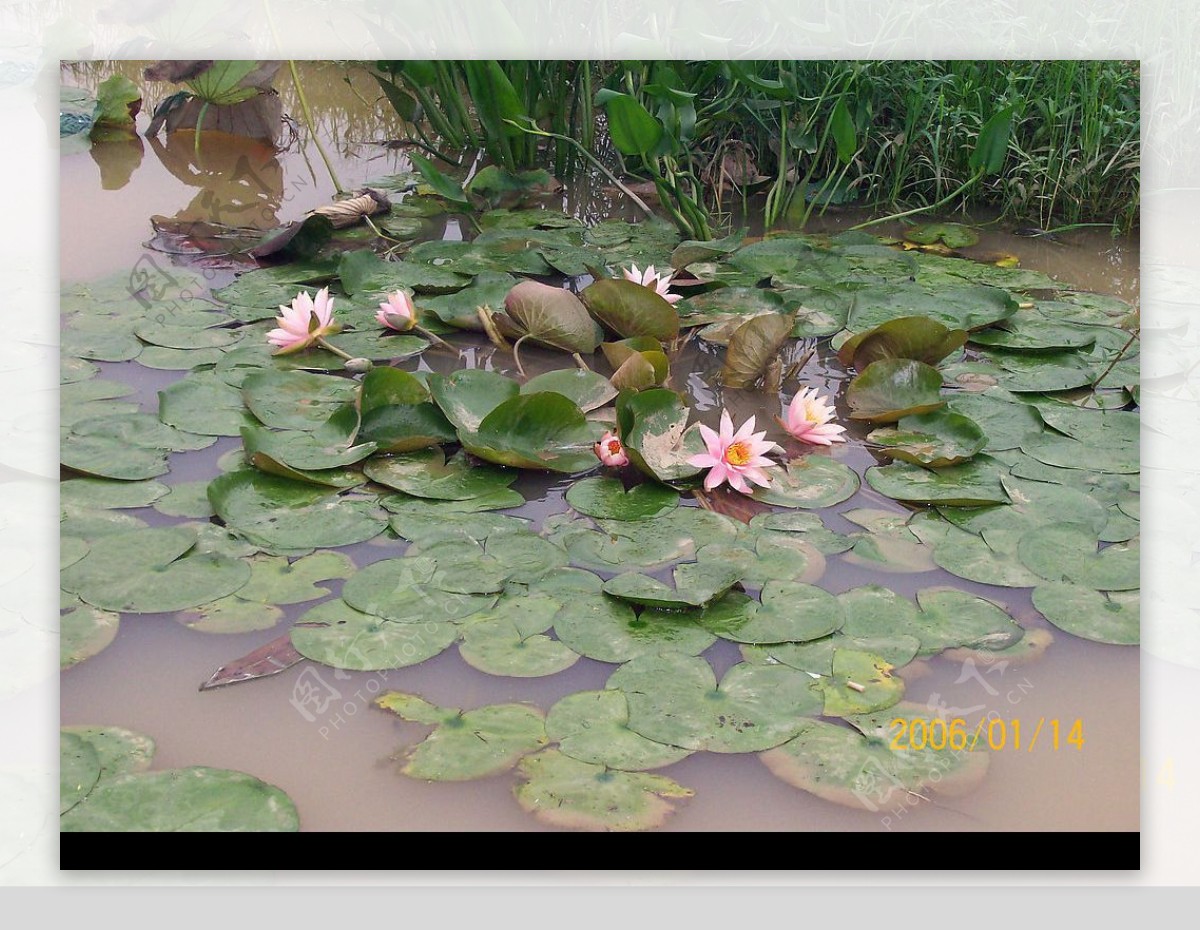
<point x="977" y="558"/>
<point x="552" y="316"/>
<point x="592" y="726"/>
<point x="752" y="347"/>
<point x="70" y="550"/>
<point x="932" y="439"/>
<point x="335" y="634"/>
<point x="809" y="481"/>
<point x="656" y="435"/>
<point x="788" y="612"/>
<point x="806" y="526"/>
<point x="543" y="431"/>
<point x="397" y="413"/>
<point x="968" y="307"/>
<point x="119" y="751"/>
<point x="79" y="770"/>
<point x="98" y="343"/>
<point x="862" y="771"/>
<point x="326" y="447"/>
<point x="151" y="571"/>
<point x="1050" y="371"/>
<point x="914" y="337"/>
<point x="202" y="403"/>
<point x="1006" y="425"/>
<point x="426" y="473"/>
<point x="774" y="557"/>
<point x="675" y="700"/>
<point x="860" y="683"/>
<point x="630" y="309"/>
<point x="586" y="389"/>
<point x="697" y="584"/>
<point x="76" y="370"/>
<point x="468" y="396"/>
<point x="607" y="497"/>
<point x="951" y="618"/>
<point x="510" y="640"/>
<point x="296" y="399"/>
<point x="952" y="235"/>
<point x="969" y="484"/>
<point x="1066" y="552"/>
<point x="465" y="745"/>
<point x="1103" y="617"/>
<point x="85" y="631"/>
<point x="196" y="799"/>
<point x="607" y="630"/>
<point x="408" y="590"/>
<point x="104" y="494"/>
<point x="187" y="499"/>
<point x="460" y="309"/>
<point x="565" y="792"/>
<point x="728" y="303"/>
<point x="279" y="513"/>
<point x="275" y="580"/>
<point x="1033" y="504"/>
<point x="230" y="615"/>
<point x="1032" y="332"/>
<point x="1028" y="648"/>
<point x="890" y="389"/>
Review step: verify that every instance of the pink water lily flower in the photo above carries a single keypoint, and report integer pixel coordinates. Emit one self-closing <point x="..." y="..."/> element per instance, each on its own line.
<point x="304" y="322"/>
<point x="649" y="278"/>
<point x="808" y="419"/>
<point x="397" y="312"/>
<point x="610" y="451"/>
<point x="734" y="457"/>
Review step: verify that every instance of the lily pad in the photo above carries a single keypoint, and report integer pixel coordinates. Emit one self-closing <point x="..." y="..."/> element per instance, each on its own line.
<point x="1050" y="371"/>
<point x="951" y="618"/>
<point x="952" y="235"/>
<point x="104" y="494"/>
<point x="1033" y="504"/>
<point x="697" y="584"/>
<point x="426" y="473"/>
<point x="586" y="389"/>
<point x="1103" y="617"/>
<point x="203" y="403"/>
<point x="565" y="792"/>
<point x="656" y="435"/>
<point x="230" y="615"/>
<point x="465" y="745"/>
<point x="1066" y="552"/>
<point x="752" y="347"/>
<point x="630" y="309"/>
<point x="78" y="770"/>
<point x="275" y="580"/>
<point x="675" y="700"/>
<point x="552" y="316"/>
<point x="276" y="512"/>
<point x="913" y="337"/>
<point x="397" y="413"/>
<point x="931" y="439"/>
<point x="1034" y="333"/>
<point x="811" y="482"/>
<point x="460" y="309"/>
<point x="510" y="640"/>
<point x="728" y="303"/>
<point x="436" y="520"/>
<point x="969" y="484"/>
<point x="860" y="683"/>
<point x="85" y="631"/>
<point x="151" y="571"/>
<point x="408" y="590"/>
<point x="968" y="307"/>
<point x="327" y="447"/>
<point x="196" y="799"/>
<point x="806" y="526"/>
<point x="119" y="751"/>
<point x="592" y="726"/>
<point x="607" y="497"/>
<point x="890" y="389"/>
<point x="861" y="770"/>
<point x="186" y="499"/>
<point x="788" y="612"/>
<point x="468" y="396"/>
<point x="543" y="431"/>
<point x="335" y="634"/>
<point x="295" y="399"/>
<point x="607" y="630"/>
<point x="1005" y="424"/>
<point x="976" y="558"/>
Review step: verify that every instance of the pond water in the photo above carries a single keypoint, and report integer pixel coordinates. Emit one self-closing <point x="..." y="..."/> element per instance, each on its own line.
<point x="339" y="765"/>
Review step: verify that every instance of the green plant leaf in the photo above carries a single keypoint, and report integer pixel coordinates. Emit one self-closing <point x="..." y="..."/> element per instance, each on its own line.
<point x="890" y="389"/>
<point x="951" y="618"/>
<point x="543" y="431"/>
<point x="1103" y="617"/>
<point x="992" y="144"/>
<point x="607" y="497"/>
<point x="592" y="727"/>
<point x="275" y="580"/>
<point x="426" y="473"/>
<point x="932" y="439"/>
<point x="202" y="403"/>
<point x="916" y="337"/>
<point x="510" y="640"/>
<point x="410" y="591"/>
<point x="152" y="571"/>
<point x="697" y="584"/>
<point x="230" y="615"/>
<point x="809" y="481"/>
<point x="752" y="347"/>
<point x="223" y="83"/>
<point x="630" y="309"/>
<point x="586" y="389"/>
<point x="860" y="683"/>
<point x="952" y="235"/>
<point x="335" y="634"/>
<point x="607" y="630"/>
<point x="469" y="395"/>
<point x="788" y="612"/>
<point x="841" y="126"/>
<point x="552" y="316"/>
<point x="296" y="399"/>
<point x="1066" y="552"/>
<point x="655" y="433"/>
<point x="119" y="100"/>
<point x="633" y="130"/>
<point x="969" y="484"/>
<point x="442" y="185"/>
<point x="85" y="631"/>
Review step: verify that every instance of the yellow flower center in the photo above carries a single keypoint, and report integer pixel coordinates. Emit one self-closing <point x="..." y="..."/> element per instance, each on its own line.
<point x="738" y="453"/>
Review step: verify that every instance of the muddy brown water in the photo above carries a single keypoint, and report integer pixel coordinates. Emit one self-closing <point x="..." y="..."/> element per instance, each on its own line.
<point x="338" y="763"/>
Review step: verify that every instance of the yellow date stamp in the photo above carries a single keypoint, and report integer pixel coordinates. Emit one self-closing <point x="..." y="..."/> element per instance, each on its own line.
<point x="995" y="733"/>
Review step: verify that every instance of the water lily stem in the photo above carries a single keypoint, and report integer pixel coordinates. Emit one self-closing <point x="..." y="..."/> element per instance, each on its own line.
<point x="516" y="354"/>
<point x="489" y="326"/>
<point x="330" y="347"/>
<point x="337" y="184"/>
<point x="580" y="362"/>
<point x="1120" y="355"/>
<point x="933" y="206"/>
<point x="436" y="340"/>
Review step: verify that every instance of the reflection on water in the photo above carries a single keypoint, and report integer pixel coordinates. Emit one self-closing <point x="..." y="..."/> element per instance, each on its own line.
<point x="337" y="765"/>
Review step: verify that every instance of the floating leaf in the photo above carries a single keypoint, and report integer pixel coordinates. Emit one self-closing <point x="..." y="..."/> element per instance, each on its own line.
<point x="188" y="499"/>
<point x="952" y="235"/>
<point x="460" y="309"/>
<point x="675" y="700"/>
<point x="806" y="526"/>
<point x="78" y="770"/>
<point x="655" y="433"/>
<point x="409" y="590"/>
<point x="118" y="751"/>
<point x="397" y="413"/>
<point x="932" y="439"/>
<point x="607" y="497"/>
<point x="809" y="481"/>
<point x="951" y="618"/>
<point x="296" y="399"/>
<point x="151" y="571"/>
<point x="1032" y="332"/>
<point x="592" y="726"/>
<point x="1066" y="552"/>
<point x="914" y="337"/>
<point x="275" y="580"/>
<point x="196" y="799"/>
<point x="860" y="770"/>
<point x="859" y="684"/>
<point x="752" y="347"/>
<point x="968" y="307"/>
<point x="465" y="745"/>
<point x="552" y="316"/>
<point x="890" y="389"/>
<point x="697" y="584"/>
<point x="426" y="473"/>
<point x="1103" y="617"/>
<point x="1033" y="504"/>
<point x="976" y="558"/>
<point x="543" y="431"/>
<point x="469" y="395"/>
<point x="586" y="389"/>
<point x="606" y="629"/>
<point x="85" y="631"/>
<point x="969" y="484"/>
<point x="285" y="514"/>
<point x="788" y="612"/>
<point x="510" y="640"/>
<point x="328" y="446"/>
<point x="630" y="309"/>
<point x="230" y="615"/>
<point x="1005" y="424"/>
<point x="565" y="792"/>
<point x="105" y="494"/>
<point x="335" y="634"/>
<point x="202" y="403"/>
